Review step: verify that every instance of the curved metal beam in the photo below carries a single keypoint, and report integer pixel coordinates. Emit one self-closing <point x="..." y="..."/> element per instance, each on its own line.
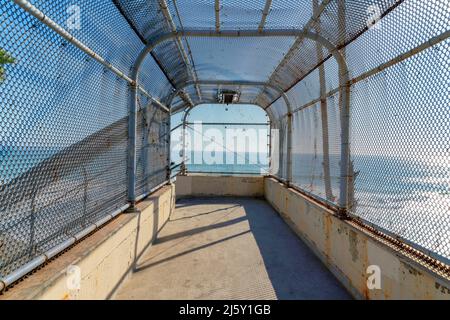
<point x="185" y="116"/>
<point x="343" y="82"/>
<point x="217" y="10"/>
<point x="168" y="16"/>
<point x="236" y="34"/>
<point x="270" y="115"/>
<point x="236" y="83"/>
<point x="272" y="118"/>
<point x="265" y="13"/>
<point x="313" y="20"/>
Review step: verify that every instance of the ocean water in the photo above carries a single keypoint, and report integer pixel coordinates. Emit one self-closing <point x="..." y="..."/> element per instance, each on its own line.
<point x="409" y="198"/>
<point x="247" y="163"/>
<point x="14" y="161"/>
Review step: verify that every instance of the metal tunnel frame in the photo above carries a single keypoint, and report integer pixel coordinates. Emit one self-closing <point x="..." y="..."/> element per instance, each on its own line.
<point x="266" y="109"/>
<point x="344" y="89"/>
<point x="185" y="123"/>
<point x="272" y="118"/>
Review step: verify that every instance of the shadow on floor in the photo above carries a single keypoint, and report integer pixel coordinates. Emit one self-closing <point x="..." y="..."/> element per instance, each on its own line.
<point x="292" y="268"/>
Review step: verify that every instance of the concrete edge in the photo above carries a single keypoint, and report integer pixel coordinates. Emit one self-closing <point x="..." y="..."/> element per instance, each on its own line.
<point x="219" y="185"/>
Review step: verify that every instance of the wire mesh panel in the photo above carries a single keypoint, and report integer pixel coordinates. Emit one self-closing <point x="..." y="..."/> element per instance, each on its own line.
<point x="399" y="174"/>
<point x="279" y="154"/>
<point x="400" y="149"/>
<point x="306" y="91"/>
<point x="91" y="22"/>
<point x="316" y="149"/>
<point x="228" y="148"/>
<point x="152" y="147"/>
<point x="244" y="59"/>
<point x="64" y="127"/>
<point x="176" y="150"/>
<point x="411" y="24"/>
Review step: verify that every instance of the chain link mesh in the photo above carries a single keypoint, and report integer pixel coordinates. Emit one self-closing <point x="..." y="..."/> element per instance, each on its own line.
<point x="152" y="151"/>
<point x="400" y="147"/>
<point x="64" y="127"/>
<point x="399" y="126"/>
<point x="316" y="155"/>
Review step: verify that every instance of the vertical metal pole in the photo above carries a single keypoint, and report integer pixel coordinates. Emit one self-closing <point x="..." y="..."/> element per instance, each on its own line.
<point x="270" y="145"/>
<point x="324" y="114"/>
<point x="289" y="137"/>
<point x="85" y="195"/>
<point x="183" y="166"/>
<point x="169" y="146"/>
<point x="32" y="245"/>
<point x="146" y="126"/>
<point x="132" y="119"/>
<point x="344" y="200"/>
<point x="289" y="149"/>
<point x="281" y="143"/>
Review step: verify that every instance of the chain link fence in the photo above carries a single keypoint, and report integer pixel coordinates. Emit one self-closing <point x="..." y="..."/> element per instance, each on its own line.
<point x="64" y="126"/>
<point x="399" y="169"/>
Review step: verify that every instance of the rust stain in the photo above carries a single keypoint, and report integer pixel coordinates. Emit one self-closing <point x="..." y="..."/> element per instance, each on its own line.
<point x="358" y="251"/>
<point x="353" y="241"/>
<point x="442" y="289"/>
<point x="411" y="270"/>
<point x="286" y="205"/>
<point x="403" y="248"/>
<point x="365" y="265"/>
<point x="327" y="222"/>
<point x="365" y="291"/>
<point x="387" y="289"/>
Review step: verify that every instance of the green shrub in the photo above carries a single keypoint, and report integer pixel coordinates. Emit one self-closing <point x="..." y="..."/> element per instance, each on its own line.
<point x="5" y="58"/>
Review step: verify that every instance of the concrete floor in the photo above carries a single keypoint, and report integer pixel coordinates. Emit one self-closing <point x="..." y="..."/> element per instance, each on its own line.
<point x="223" y="248"/>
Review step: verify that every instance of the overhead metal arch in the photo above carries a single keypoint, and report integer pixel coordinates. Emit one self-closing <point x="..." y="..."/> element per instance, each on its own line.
<point x="343" y="84"/>
<point x="272" y="119"/>
<point x="185" y="55"/>
<point x="237" y="34"/>
<point x="236" y="83"/>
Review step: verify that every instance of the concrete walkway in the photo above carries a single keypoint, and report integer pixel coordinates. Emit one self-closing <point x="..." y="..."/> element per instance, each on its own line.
<point x="224" y="248"/>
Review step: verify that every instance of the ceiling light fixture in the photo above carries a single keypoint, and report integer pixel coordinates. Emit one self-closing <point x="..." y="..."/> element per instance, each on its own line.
<point x="228" y="96"/>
